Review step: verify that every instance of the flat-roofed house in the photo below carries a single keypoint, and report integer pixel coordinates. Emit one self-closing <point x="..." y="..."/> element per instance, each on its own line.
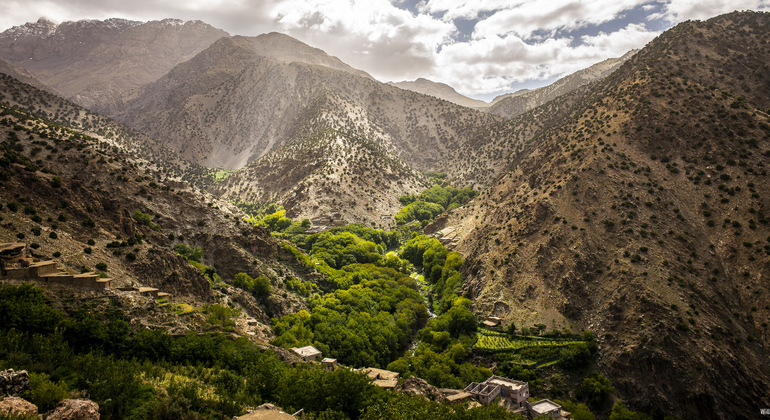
<point x="382" y="378"/>
<point x="307" y="352"/>
<point x="547" y="408"/>
<point x="517" y="391"/>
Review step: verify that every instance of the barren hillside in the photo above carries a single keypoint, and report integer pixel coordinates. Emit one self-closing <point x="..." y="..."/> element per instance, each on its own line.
<point x="644" y="219"/>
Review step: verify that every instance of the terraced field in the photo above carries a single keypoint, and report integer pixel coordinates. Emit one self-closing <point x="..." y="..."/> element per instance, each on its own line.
<point x="528" y="350"/>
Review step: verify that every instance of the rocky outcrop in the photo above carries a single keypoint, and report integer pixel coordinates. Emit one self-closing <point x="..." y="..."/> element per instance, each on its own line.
<point x="18" y="406"/>
<point x="12" y="383"/>
<point x="79" y="409"/>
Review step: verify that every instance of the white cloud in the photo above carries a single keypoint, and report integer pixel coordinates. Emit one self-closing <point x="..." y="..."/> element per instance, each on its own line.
<point x="513" y="41"/>
<point x="681" y="10"/>
<point x="493" y="64"/>
<point x="525" y="18"/>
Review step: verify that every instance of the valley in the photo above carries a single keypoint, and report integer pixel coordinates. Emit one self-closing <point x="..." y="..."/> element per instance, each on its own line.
<point x="602" y="240"/>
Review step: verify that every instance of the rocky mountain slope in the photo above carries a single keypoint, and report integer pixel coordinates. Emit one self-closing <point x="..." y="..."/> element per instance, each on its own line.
<point x="89" y="204"/>
<point x="329" y="170"/>
<point x="234" y="102"/>
<point x="91" y="62"/>
<point x="516" y="103"/>
<point x="644" y="219"/>
<point x="439" y="90"/>
<point x="20" y="94"/>
<point x="22" y="75"/>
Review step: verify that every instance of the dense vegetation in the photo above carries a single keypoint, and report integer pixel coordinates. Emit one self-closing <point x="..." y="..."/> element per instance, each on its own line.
<point x="148" y="374"/>
<point x="432" y="202"/>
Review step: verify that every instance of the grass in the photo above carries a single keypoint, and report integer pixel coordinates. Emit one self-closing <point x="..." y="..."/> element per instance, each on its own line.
<point x="223" y="174"/>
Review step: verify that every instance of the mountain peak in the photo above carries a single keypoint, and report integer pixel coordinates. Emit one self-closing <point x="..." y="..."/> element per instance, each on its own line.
<point x="43" y="28"/>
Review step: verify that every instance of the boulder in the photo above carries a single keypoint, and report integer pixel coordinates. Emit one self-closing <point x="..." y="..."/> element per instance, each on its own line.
<point x="16" y="405"/>
<point x="12" y="383"/>
<point x="79" y="409"/>
<point x="418" y="386"/>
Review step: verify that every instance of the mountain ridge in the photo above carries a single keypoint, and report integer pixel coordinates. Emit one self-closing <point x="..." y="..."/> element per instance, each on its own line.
<point x="631" y="218"/>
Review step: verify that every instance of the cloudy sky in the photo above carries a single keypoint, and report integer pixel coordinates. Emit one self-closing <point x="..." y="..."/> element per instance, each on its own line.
<point x="482" y="48"/>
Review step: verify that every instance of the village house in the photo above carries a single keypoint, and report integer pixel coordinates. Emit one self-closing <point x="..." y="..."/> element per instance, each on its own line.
<point x="330" y="363"/>
<point x="516" y="391"/>
<point x="547" y="408"/>
<point x="17" y="265"/>
<point x="485" y="393"/>
<point x="381" y="377"/>
<point x="513" y="394"/>
<point x="308" y="352"/>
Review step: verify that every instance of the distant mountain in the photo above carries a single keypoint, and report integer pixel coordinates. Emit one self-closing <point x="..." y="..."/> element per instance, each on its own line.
<point x="643" y="216"/>
<point x="92" y="61"/>
<point x="513" y="104"/>
<point x="441" y="91"/>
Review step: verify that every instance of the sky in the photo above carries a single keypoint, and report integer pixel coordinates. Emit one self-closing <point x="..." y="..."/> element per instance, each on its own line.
<point x="482" y="48"/>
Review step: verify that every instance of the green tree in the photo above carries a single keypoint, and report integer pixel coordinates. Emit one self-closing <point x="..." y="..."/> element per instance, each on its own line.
<point x="596" y="389"/>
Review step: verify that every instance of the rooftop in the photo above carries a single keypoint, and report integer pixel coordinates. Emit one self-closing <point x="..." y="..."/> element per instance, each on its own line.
<point x="13" y="246"/>
<point x="375" y="373"/>
<point x="307" y="351"/>
<point x="506" y="382"/>
<point x="544" y="406"/>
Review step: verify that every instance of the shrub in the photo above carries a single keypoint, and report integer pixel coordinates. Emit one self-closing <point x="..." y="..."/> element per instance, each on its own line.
<point x="44" y="393"/>
<point x="191" y="253"/>
<point x="53" y="235"/>
<point x="142" y="218"/>
<point x="596" y="389"/>
<point x="101" y="266"/>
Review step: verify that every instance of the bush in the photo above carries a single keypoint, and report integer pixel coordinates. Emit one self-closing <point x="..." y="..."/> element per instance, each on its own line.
<point x="53" y="235"/>
<point x="101" y="266"/>
<point x="142" y="218"/>
<point x="44" y="393"/>
<point x="596" y="389"/>
<point x="191" y="253"/>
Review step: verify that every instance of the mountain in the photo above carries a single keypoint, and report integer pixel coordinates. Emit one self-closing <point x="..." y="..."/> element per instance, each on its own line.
<point x="513" y="104"/>
<point x="92" y="61"/>
<point x="22" y="75"/>
<point x="439" y="90"/>
<point x="329" y="172"/>
<point x="643" y="217"/>
<point x="88" y="203"/>
<point x="234" y="102"/>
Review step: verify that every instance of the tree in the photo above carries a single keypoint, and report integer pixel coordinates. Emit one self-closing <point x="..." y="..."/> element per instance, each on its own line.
<point x="620" y="412"/>
<point x="596" y="389"/>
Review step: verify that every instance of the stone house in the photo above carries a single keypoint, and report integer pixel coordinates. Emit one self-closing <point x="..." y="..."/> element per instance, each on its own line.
<point x="547" y="408"/>
<point x="307" y="352"/>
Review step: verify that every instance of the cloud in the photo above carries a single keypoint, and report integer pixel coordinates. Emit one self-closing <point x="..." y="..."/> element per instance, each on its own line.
<point x="495" y="63"/>
<point x="681" y="10"/>
<point x="512" y="41"/>
<point x="525" y="18"/>
<point x="376" y="36"/>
